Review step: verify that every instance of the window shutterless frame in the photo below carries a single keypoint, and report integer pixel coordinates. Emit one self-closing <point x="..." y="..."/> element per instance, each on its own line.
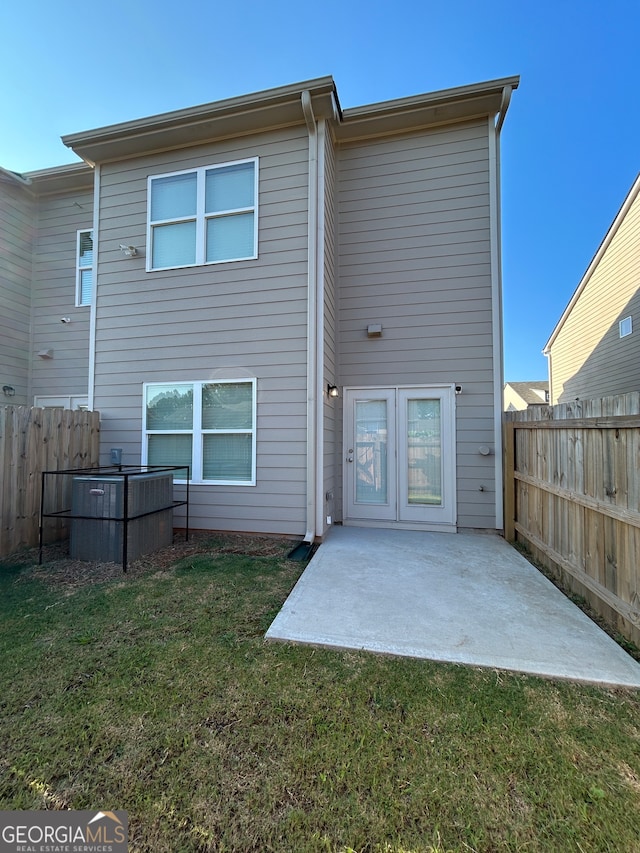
<point x="187" y="214"/>
<point x="84" y="266"/>
<point x="189" y="427"/>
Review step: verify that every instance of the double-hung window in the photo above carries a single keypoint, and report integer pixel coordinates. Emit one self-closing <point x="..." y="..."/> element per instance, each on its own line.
<point x="207" y="215"/>
<point x="209" y="426"/>
<point x="84" y="267"/>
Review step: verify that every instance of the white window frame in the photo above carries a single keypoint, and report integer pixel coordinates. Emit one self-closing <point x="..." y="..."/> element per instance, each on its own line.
<point x="62" y="402"/>
<point x="80" y="268"/>
<point x="197" y="432"/>
<point x="625" y="327"/>
<point x="201" y="217"/>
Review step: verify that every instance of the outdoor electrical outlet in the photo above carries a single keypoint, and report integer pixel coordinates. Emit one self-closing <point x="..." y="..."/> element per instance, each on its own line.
<point x="328" y="519"/>
<point x="116" y="455"/>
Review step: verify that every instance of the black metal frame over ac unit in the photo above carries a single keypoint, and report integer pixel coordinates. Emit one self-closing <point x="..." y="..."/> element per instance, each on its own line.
<point x="117" y="511"/>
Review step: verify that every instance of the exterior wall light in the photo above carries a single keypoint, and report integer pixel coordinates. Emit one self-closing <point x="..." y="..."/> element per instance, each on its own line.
<point x="128" y="251"/>
<point x="8" y="390"/>
<point x="332" y="391"/>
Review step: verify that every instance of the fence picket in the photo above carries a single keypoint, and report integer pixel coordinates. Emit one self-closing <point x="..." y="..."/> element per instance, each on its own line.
<point x="34" y="440"/>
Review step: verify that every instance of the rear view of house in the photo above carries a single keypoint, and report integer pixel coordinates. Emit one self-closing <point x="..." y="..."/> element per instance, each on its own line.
<point x="301" y="303"/>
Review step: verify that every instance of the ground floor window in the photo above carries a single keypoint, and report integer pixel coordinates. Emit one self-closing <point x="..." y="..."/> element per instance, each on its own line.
<point x="209" y="426"/>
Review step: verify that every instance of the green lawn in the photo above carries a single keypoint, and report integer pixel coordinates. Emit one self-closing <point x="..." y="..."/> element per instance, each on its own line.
<point x="156" y="693"/>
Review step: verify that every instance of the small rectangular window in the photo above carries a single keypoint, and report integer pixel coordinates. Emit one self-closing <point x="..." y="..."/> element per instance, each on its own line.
<point x="626" y="327"/>
<point x="207" y="215"/>
<point x="209" y="426"/>
<point x="84" y="267"/>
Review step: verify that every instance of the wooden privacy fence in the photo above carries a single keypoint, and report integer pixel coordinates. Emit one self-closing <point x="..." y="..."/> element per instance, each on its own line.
<point x="32" y="441"/>
<point x="572" y="495"/>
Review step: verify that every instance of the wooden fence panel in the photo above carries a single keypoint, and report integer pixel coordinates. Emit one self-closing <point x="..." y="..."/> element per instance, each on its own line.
<point x="572" y="494"/>
<point x="34" y="440"/>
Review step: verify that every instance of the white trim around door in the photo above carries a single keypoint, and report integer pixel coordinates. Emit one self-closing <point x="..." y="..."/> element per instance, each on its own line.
<point x="399" y="457"/>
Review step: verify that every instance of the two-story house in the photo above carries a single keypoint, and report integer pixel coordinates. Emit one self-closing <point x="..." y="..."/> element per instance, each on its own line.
<point x="302" y="303"/>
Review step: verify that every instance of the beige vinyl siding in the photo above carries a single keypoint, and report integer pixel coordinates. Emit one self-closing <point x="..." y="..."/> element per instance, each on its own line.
<point x="415" y="257"/>
<point x="54" y="294"/>
<point x="242" y="319"/>
<point x="16" y="226"/>
<point x="589" y="359"/>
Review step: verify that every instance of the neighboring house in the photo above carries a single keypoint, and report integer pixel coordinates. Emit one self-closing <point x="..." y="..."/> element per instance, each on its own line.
<point x="520" y="395"/>
<point x="594" y="350"/>
<point x="301" y="303"/>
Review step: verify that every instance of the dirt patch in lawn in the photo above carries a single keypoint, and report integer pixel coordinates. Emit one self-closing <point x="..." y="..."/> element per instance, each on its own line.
<point x="58" y="569"/>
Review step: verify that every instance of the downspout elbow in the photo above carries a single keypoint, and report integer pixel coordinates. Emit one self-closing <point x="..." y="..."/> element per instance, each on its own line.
<point x="504" y="106"/>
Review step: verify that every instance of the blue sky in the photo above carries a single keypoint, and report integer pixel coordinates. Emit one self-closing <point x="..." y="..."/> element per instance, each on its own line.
<point x="569" y="144"/>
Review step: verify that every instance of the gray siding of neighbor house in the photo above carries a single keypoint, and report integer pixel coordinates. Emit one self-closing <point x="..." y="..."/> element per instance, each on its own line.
<point x="589" y="359"/>
<point x="16" y="227"/>
<point x="54" y="296"/>
<point x="415" y="256"/>
<point x="232" y="320"/>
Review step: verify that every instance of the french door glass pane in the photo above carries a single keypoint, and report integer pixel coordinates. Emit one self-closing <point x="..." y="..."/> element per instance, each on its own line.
<point x="229" y="187"/>
<point x="227" y="457"/>
<point x="371" y="452"/>
<point x="424" y="443"/>
<point x="170" y="450"/>
<point x="227" y="405"/>
<point x="173" y="197"/>
<point x="230" y="237"/>
<point x="170" y="407"/>
<point x="174" y="245"/>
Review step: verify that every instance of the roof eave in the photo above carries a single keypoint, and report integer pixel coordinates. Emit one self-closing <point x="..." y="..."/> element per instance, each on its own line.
<point x="69" y="178"/>
<point x="239" y="116"/>
<point x="446" y="106"/>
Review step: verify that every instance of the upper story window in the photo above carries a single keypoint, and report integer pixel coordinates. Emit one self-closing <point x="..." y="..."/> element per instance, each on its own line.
<point x="84" y="267"/>
<point x="203" y="216"/>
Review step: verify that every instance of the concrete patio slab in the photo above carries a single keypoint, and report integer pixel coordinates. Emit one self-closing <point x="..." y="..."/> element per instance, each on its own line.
<point x="463" y="598"/>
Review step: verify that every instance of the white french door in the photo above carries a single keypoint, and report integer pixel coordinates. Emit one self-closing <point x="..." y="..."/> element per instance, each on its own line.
<point x="400" y="455"/>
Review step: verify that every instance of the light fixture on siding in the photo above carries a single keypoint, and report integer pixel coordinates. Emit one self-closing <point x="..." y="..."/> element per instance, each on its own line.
<point x="65" y="319"/>
<point x="332" y="391"/>
<point x="45" y="353"/>
<point x="128" y="251"/>
<point x="374" y="330"/>
<point x="8" y="390"/>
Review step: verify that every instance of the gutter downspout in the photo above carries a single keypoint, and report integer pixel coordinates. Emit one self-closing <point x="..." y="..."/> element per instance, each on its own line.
<point x="94" y="290"/>
<point x="320" y="295"/>
<point x="312" y="338"/>
<point x="496" y="286"/>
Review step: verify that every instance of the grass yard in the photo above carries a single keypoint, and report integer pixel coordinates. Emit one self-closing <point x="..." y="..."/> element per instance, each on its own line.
<point x="155" y="692"/>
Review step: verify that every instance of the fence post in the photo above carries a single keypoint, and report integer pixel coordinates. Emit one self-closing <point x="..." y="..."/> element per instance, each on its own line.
<point x="509" y="480"/>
